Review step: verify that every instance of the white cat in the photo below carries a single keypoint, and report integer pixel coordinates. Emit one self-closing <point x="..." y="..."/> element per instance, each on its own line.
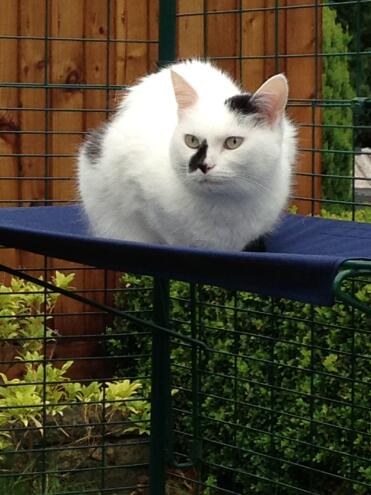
<point x="190" y="160"/>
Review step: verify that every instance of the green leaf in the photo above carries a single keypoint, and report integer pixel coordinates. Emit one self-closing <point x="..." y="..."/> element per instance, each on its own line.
<point x="330" y="362"/>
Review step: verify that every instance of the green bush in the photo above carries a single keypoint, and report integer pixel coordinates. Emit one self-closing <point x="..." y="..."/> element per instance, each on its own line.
<point x="284" y="391"/>
<point x="336" y="86"/>
<point x="363" y="215"/>
<point x="44" y="408"/>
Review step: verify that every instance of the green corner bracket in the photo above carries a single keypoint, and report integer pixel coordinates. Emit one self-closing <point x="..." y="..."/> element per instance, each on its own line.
<point x="349" y="270"/>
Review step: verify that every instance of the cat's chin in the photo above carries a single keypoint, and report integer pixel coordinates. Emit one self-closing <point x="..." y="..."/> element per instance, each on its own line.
<point x="214" y="186"/>
<point x="210" y="180"/>
<point x="205" y="179"/>
<point x="208" y="183"/>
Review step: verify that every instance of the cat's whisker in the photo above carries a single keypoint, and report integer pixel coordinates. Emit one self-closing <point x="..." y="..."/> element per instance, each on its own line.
<point x="237" y="179"/>
<point x="255" y="183"/>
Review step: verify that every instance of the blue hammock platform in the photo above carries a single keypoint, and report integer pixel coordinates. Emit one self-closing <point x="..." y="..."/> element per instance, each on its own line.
<point x="303" y="257"/>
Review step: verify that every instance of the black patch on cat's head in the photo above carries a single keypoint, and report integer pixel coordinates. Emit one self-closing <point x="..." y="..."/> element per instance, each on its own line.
<point x="197" y="160"/>
<point x="93" y="144"/>
<point x="244" y="104"/>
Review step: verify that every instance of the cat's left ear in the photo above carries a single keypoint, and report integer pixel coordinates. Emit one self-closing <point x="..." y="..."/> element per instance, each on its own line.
<point x="271" y="98"/>
<point x="185" y="95"/>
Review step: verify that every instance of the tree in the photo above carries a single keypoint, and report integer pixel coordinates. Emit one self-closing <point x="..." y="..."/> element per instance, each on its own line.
<point x="337" y="116"/>
<point x="356" y="19"/>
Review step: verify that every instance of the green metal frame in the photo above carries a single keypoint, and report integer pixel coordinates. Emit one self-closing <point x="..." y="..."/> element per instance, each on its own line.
<point x="161" y="391"/>
<point x="161" y="419"/>
<point x="163" y="332"/>
<point x="160" y="451"/>
<point x="161" y="455"/>
<point x="167" y="32"/>
<point x="349" y="270"/>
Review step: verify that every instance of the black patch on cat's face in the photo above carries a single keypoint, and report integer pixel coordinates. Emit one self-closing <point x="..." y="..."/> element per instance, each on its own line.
<point x="93" y="144"/>
<point x="244" y="104"/>
<point x="197" y="160"/>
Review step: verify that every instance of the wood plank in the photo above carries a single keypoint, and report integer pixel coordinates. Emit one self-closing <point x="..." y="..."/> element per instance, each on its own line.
<point x="9" y="118"/>
<point x="79" y="62"/>
<point x="96" y="71"/>
<point x="131" y="24"/>
<point x="304" y="74"/>
<point x="274" y="38"/>
<point x="32" y="69"/>
<point x="77" y="321"/>
<point x="66" y="20"/>
<point x="223" y="35"/>
<point x="153" y="16"/>
<point x="253" y="31"/>
<point x="190" y="30"/>
<point x="66" y="67"/>
<point x="32" y="141"/>
<point x="96" y="61"/>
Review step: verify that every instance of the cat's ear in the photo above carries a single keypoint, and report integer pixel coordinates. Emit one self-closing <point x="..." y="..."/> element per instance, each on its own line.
<point x="185" y="95"/>
<point x="271" y="98"/>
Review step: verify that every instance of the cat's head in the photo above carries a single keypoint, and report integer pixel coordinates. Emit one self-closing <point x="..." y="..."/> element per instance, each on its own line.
<point x="231" y="145"/>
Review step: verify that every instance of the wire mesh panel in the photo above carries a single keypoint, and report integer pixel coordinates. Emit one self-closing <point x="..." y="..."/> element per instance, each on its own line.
<point x="260" y="395"/>
<point x="61" y="66"/>
<point x="325" y="56"/>
<point x="59" y="434"/>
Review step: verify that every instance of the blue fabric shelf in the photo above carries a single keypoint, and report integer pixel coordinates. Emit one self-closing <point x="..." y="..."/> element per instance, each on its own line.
<point x="302" y="259"/>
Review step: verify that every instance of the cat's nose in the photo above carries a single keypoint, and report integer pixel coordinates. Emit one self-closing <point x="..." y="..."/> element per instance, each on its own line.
<point x="206" y="167"/>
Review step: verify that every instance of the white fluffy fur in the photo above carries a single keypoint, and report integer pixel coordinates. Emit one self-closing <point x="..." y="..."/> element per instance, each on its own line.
<point x="141" y="189"/>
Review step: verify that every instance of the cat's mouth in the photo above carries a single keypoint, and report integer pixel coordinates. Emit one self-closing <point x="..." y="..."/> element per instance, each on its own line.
<point x="209" y="180"/>
<point x="206" y="180"/>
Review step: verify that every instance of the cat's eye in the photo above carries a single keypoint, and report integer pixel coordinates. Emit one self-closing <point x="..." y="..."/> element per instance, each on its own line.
<point x="191" y="141"/>
<point x="233" y="142"/>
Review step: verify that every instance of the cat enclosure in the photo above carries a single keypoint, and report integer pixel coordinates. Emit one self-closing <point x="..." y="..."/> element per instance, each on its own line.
<point x="134" y="369"/>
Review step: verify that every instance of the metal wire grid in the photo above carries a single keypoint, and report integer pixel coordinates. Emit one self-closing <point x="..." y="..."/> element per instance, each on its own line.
<point x="76" y="82"/>
<point x="261" y="423"/>
<point x="239" y="420"/>
<point x="276" y="403"/>
<point x="75" y="445"/>
<point x="44" y="114"/>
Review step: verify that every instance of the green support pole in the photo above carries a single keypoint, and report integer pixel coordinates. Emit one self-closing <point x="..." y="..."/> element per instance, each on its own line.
<point x="167" y="32"/>
<point x="161" y="391"/>
<point x="161" y="386"/>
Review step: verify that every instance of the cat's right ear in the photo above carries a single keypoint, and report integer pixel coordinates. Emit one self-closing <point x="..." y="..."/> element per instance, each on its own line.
<point x="271" y="97"/>
<point x="185" y="95"/>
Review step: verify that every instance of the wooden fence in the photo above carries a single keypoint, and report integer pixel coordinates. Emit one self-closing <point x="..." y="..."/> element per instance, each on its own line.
<point x="58" y="60"/>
